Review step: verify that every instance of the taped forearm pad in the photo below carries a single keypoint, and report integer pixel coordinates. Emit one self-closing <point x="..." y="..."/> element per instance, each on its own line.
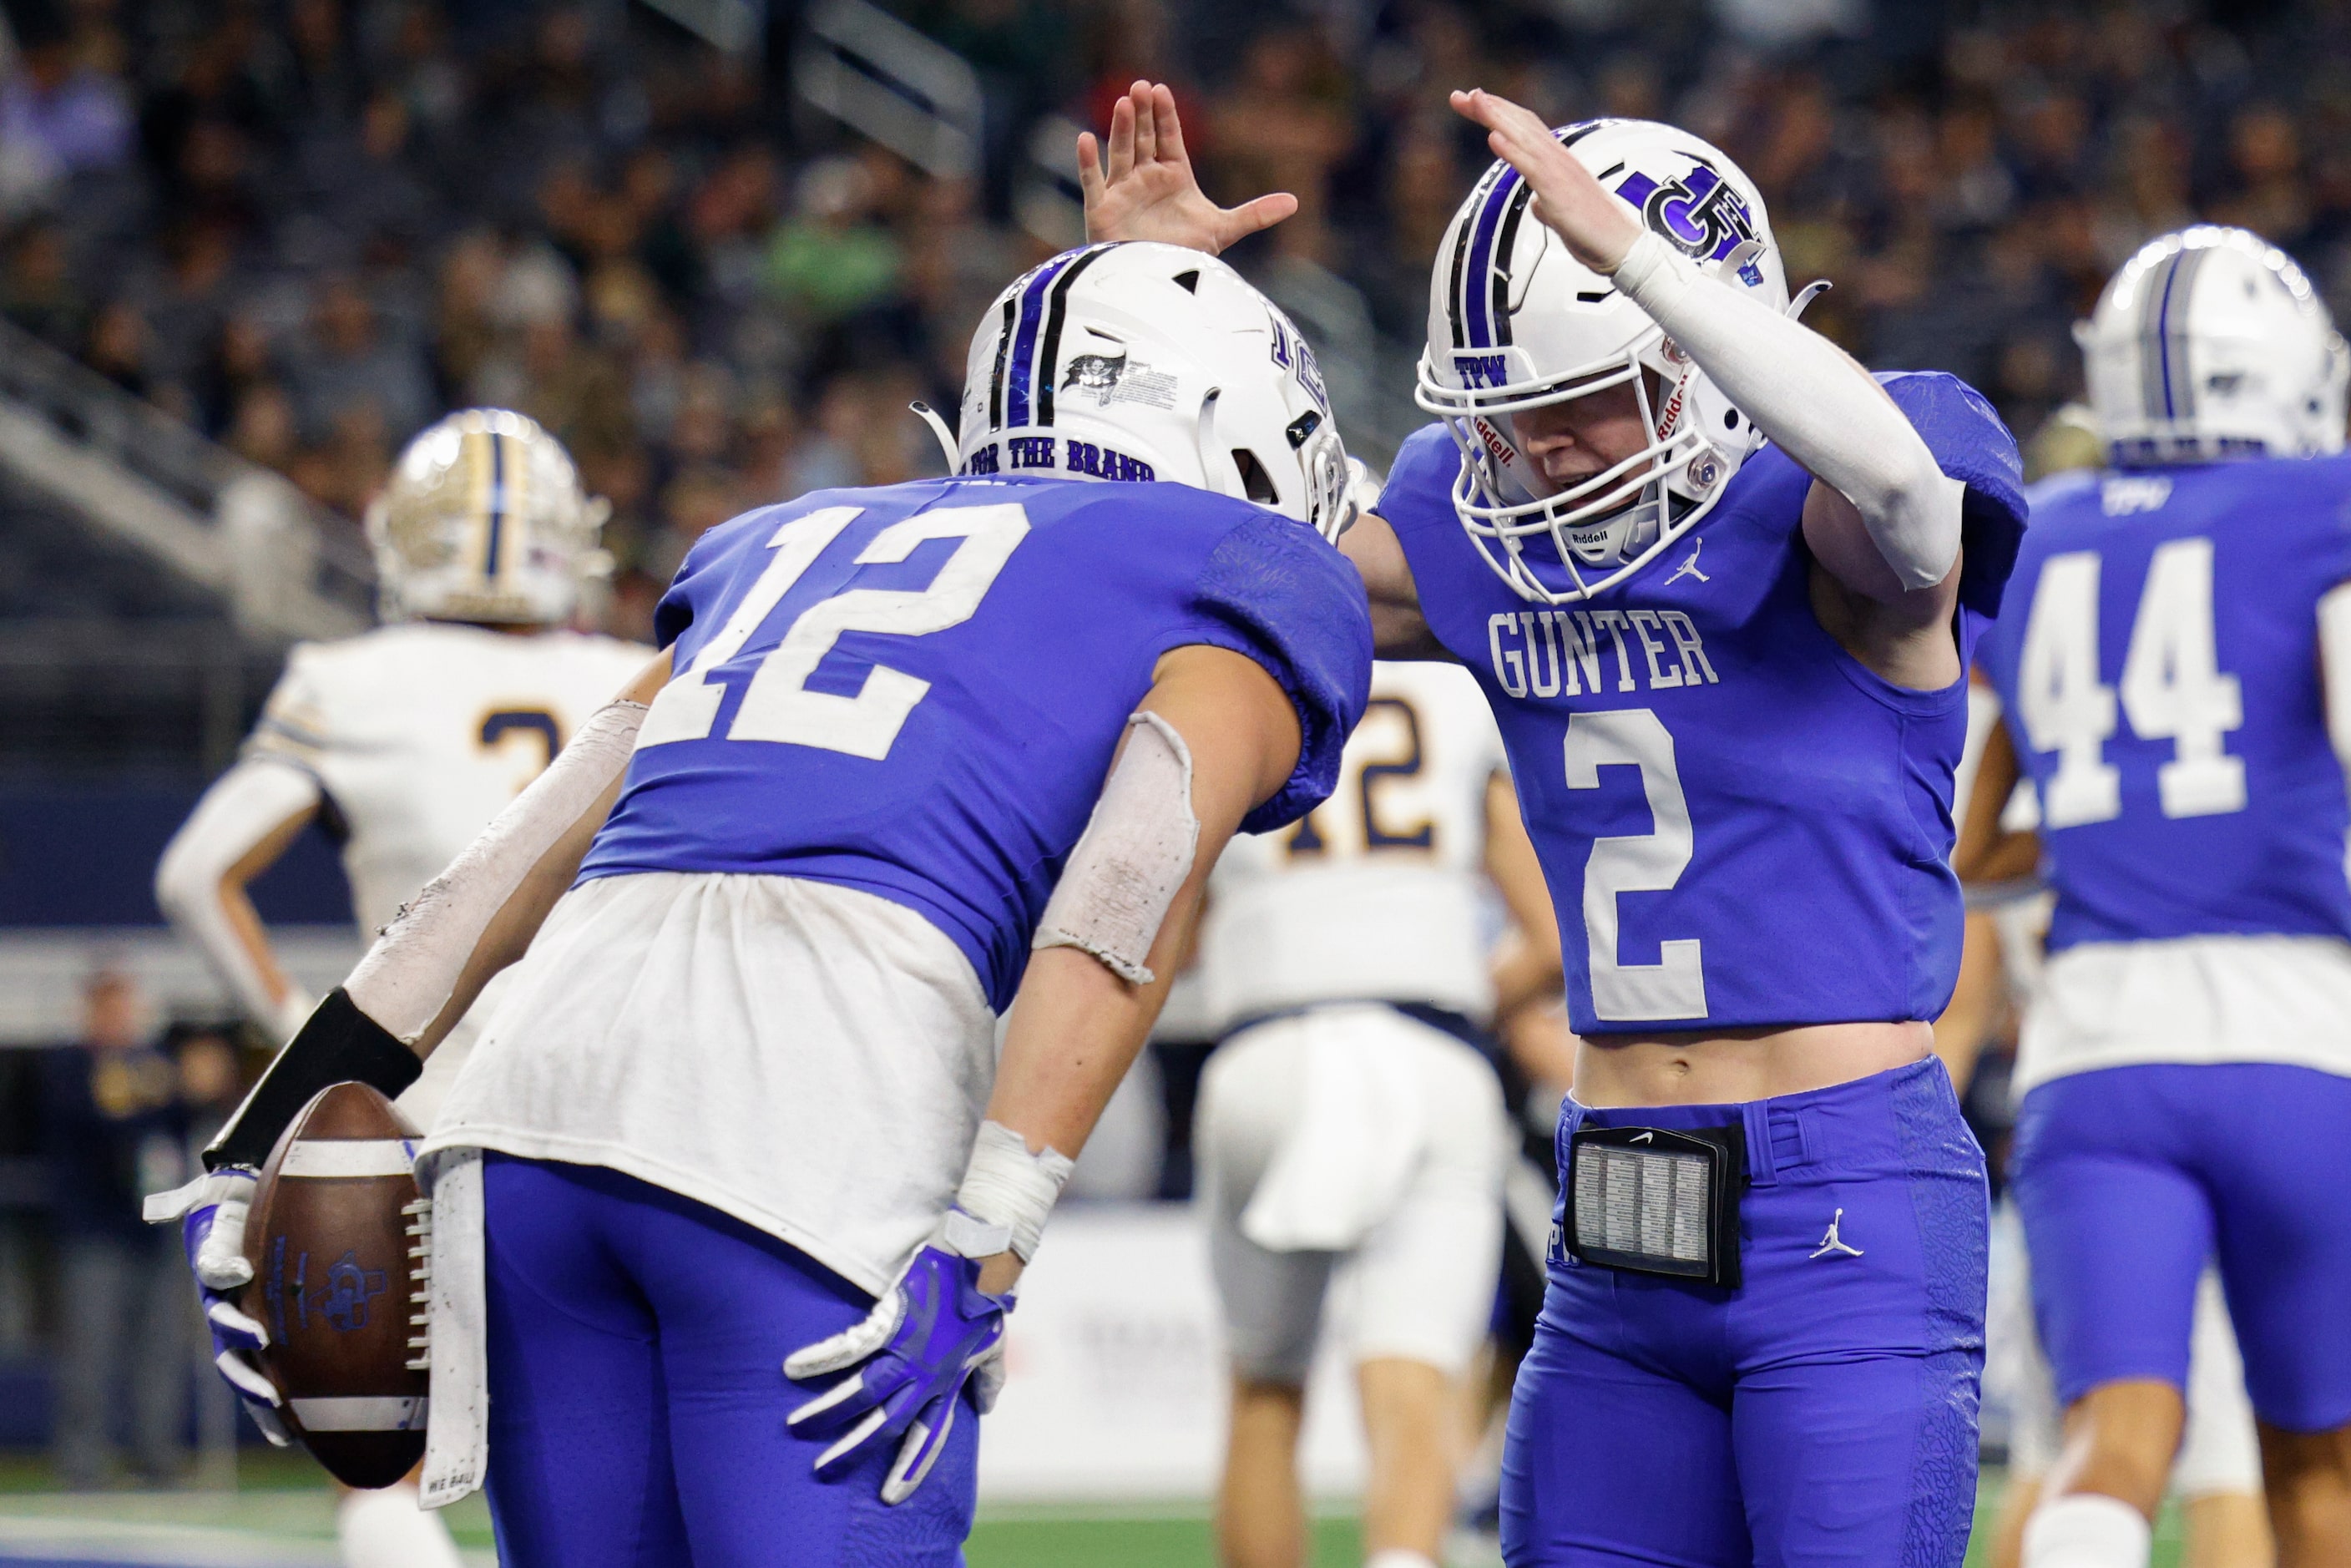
<point x="340" y="1044"/>
<point x="408" y="976"/>
<point x="1820" y="407"/>
<point x="1134" y="857"/>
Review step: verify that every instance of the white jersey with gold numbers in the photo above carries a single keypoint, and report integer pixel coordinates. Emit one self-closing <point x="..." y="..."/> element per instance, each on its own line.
<point x="418" y="734"/>
<point x="1378" y="895"/>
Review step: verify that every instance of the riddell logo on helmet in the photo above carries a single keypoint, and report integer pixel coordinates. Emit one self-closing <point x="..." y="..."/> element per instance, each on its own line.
<point x="1670" y="417"/>
<point x="1494" y="444"/>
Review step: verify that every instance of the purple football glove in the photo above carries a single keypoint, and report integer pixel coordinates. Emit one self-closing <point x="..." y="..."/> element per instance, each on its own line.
<point x="929" y="1334"/>
<point x="212" y="1212"/>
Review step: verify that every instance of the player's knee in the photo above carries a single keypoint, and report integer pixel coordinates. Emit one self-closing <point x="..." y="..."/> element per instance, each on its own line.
<point x="2121" y="1439"/>
<point x="2306" y="1469"/>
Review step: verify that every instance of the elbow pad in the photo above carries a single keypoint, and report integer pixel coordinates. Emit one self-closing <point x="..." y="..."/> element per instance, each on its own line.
<point x="413" y="968"/>
<point x="1134" y="857"/>
<point x="1821" y="408"/>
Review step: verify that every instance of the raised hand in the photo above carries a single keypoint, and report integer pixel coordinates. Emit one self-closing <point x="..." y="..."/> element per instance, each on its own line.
<point x="1146" y="189"/>
<point x="1598" y="229"/>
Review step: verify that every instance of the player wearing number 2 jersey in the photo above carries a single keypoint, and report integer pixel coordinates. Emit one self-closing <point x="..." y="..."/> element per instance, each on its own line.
<point x="1720" y="587"/>
<point x="2175" y="654"/>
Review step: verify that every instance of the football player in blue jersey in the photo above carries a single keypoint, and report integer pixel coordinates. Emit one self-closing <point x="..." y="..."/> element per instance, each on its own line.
<point x="2175" y="670"/>
<point x="1720" y="586"/>
<point x="728" y="1204"/>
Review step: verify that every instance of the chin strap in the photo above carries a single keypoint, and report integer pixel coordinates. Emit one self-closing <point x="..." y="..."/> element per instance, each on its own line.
<point x="930" y="416"/>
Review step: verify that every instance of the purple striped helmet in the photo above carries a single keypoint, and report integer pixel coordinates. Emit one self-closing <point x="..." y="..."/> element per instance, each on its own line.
<point x="2209" y="344"/>
<point x="1146" y="361"/>
<point x="1515" y="322"/>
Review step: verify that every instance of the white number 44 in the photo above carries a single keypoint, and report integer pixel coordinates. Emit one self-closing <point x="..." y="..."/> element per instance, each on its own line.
<point x="2172" y="688"/>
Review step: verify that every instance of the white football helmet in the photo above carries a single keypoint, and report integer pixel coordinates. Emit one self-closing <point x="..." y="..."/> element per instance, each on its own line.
<point x="484" y="519"/>
<point x="1145" y="362"/>
<point x="2211" y="344"/>
<point x="1515" y="322"/>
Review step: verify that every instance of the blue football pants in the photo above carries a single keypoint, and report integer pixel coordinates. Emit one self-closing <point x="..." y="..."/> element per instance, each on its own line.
<point x="2128" y="1178"/>
<point x="637" y="1393"/>
<point x="1824" y="1412"/>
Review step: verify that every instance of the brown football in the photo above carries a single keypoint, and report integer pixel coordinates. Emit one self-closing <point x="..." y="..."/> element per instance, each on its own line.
<point x="336" y="1241"/>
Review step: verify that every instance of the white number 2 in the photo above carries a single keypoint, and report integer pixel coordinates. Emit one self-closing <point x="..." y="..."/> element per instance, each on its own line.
<point x="778" y="706"/>
<point x="2172" y="688"/>
<point x="1674" y="987"/>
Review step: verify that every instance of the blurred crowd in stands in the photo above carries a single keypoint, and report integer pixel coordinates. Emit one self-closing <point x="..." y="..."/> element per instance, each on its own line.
<point x="309" y="226"/>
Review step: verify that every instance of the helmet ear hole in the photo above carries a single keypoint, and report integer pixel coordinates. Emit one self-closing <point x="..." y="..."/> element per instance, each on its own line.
<point x="1256" y="482"/>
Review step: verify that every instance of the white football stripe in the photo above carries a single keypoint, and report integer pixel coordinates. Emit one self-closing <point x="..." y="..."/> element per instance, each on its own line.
<point x="362" y="1414"/>
<point x="334" y="1157"/>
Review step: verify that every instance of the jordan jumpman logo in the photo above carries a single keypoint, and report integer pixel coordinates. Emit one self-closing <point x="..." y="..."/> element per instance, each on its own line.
<point x="1832" y="1242"/>
<point x="1689" y="567"/>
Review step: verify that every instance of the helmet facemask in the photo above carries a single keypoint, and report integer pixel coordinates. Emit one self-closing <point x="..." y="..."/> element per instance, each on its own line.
<point x="1605" y="525"/>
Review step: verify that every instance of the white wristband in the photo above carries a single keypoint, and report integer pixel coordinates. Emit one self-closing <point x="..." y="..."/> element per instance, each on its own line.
<point x="1005" y="1186"/>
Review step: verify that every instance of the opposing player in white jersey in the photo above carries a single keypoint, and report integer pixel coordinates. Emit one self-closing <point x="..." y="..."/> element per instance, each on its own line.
<point x="402" y="742"/>
<point x="1347" y="1119"/>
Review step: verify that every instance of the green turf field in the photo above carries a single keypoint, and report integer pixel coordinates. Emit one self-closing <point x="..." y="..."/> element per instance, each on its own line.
<point x="281" y="1505"/>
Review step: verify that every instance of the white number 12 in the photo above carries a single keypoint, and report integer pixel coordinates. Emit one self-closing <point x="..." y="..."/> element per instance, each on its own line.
<point x="778" y="706"/>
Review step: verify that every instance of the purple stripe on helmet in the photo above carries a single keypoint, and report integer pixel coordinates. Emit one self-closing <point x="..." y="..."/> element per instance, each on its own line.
<point x="1478" y="278"/>
<point x="2163" y="331"/>
<point x="1020" y="371"/>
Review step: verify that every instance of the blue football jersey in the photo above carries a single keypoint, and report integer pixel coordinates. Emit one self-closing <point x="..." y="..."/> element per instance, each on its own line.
<point x="916" y="691"/>
<point x="2159" y="670"/>
<point x="1739" y="823"/>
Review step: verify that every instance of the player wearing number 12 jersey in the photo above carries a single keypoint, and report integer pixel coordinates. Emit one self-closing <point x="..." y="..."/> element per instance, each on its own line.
<point x="730" y="1198"/>
<point x="1720" y="587"/>
<point x="2176" y="656"/>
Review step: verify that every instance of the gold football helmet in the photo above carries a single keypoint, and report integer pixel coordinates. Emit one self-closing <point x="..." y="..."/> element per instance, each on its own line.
<point x="484" y="519"/>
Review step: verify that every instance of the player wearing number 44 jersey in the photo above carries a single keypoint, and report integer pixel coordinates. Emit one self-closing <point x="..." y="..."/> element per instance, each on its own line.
<point x="1720" y="586"/>
<point x="2175" y="669"/>
<point x="729" y="1203"/>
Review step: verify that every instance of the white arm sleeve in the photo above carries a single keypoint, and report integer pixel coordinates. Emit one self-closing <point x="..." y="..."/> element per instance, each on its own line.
<point x="408" y="976"/>
<point x="1803" y="391"/>
<point x="243" y="807"/>
<point x="2335" y="667"/>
